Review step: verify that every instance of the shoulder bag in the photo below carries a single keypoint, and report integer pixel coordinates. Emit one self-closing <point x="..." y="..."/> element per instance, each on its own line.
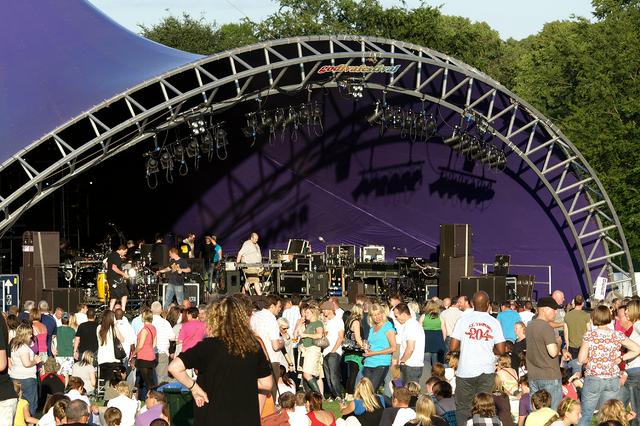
<point x="118" y="350"/>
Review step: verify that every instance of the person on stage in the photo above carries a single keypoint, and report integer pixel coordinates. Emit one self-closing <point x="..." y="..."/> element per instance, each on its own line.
<point x="187" y="247"/>
<point x="117" y="278"/>
<point x="176" y="269"/>
<point x="250" y="253"/>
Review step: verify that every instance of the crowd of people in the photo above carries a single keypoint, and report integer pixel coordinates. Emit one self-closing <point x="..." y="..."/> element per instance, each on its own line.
<point x="272" y="360"/>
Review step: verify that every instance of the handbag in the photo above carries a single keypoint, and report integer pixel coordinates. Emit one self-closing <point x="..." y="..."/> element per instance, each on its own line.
<point x="322" y="342"/>
<point x="118" y="350"/>
<point x="279" y="418"/>
<point x="349" y="343"/>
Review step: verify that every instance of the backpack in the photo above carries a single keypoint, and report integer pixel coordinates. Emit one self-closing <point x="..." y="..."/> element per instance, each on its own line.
<point x="448" y="416"/>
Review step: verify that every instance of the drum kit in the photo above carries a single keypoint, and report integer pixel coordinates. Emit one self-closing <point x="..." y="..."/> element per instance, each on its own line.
<point x="89" y="273"/>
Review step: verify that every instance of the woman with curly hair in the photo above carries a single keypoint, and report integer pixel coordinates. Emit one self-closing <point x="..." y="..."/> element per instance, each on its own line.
<point x="232" y="368"/>
<point x="613" y="409"/>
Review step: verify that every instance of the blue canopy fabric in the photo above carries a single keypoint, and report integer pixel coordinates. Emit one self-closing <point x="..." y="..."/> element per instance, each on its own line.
<point x="59" y="59"/>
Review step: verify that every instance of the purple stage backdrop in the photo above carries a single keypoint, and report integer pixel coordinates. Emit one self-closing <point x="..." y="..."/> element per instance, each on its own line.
<point x="351" y="185"/>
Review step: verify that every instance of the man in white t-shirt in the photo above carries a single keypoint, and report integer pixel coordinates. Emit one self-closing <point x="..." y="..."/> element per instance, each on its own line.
<point x="334" y="327"/>
<point x="527" y="315"/>
<point x="478" y="337"/>
<point x="411" y="359"/>
<point x="450" y="316"/>
<point x="265" y="325"/>
<point x="164" y="336"/>
<point x="250" y="253"/>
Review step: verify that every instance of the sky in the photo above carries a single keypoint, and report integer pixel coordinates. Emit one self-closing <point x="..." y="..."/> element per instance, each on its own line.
<point x="511" y="18"/>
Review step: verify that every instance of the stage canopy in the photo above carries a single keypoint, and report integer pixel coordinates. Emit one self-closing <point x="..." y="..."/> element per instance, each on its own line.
<point x="355" y="139"/>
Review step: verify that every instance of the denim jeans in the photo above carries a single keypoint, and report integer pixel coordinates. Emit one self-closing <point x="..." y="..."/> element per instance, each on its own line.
<point x="30" y="393"/>
<point x="554" y="387"/>
<point x="410" y="374"/>
<point x="173" y="290"/>
<point x="376" y="375"/>
<point x="466" y="388"/>
<point x="331" y="367"/>
<point x="632" y="387"/>
<point x="595" y="391"/>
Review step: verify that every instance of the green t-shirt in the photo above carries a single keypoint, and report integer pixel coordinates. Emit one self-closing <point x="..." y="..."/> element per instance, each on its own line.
<point x="431" y="323"/>
<point x="64" y="340"/>
<point x="311" y="329"/>
<point x="577" y="323"/>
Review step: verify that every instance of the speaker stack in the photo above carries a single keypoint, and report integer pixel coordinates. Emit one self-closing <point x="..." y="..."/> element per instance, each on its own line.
<point x="40" y="262"/>
<point x="455" y="260"/>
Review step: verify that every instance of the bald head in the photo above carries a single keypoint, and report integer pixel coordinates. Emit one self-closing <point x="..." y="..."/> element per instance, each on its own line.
<point x="558" y="296"/>
<point x="481" y="301"/>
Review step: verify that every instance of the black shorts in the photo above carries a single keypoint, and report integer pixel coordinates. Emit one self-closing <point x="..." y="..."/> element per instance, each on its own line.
<point x="118" y="290"/>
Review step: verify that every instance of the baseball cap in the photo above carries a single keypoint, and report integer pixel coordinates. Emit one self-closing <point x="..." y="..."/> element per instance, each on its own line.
<point x="548" y="302"/>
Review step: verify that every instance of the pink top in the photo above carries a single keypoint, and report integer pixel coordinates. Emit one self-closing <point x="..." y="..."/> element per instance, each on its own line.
<point x="192" y="332"/>
<point x="41" y="329"/>
<point x="147" y="353"/>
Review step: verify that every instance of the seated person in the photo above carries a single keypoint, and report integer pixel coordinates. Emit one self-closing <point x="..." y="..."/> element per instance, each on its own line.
<point x="154" y="408"/>
<point x="118" y="375"/>
<point x="400" y="412"/>
<point x="367" y="406"/>
<point x="541" y="402"/>
<point x="51" y="382"/>
<point x="444" y="401"/>
<point x="295" y="408"/>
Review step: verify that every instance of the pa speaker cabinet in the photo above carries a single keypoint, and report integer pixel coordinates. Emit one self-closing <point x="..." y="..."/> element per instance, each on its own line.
<point x="66" y="298"/>
<point x="524" y="286"/>
<point x="41" y="249"/>
<point x="191" y="293"/>
<point x="495" y="287"/>
<point x="233" y="282"/>
<point x="451" y="270"/>
<point x="455" y="240"/>
<point x="35" y="279"/>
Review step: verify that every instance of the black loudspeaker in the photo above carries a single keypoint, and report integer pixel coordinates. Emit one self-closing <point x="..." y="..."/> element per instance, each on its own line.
<point x="356" y="288"/>
<point x="496" y="287"/>
<point x="318" y="284"/>
<point x="159" y="256"/>
<point x="191" y="293"/>
<point x="35" y="279"/>
<point x="40" y="249"/>
<point x="524" y="286"/>
<point x="293" y="282"/>
<point x="233" y="282"/>
<point x="66" y="298"/>
<point x="455" y="240"/>
<point x="501" y="264"/>
<point x="451" y="270"/>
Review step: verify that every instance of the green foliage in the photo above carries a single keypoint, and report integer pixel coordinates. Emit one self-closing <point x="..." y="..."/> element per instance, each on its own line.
<point x="584" y="76"/>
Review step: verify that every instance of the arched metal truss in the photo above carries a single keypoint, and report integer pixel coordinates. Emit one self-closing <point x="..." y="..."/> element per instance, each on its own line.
<point x="536" y="148"/>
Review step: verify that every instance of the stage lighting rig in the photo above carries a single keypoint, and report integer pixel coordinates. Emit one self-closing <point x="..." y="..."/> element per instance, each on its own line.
<point x="220" y="135"/>
<point x="352" y="88"/>
<point x="415" y="125"/>
<point x="198" y="125"/>
<point x="281" y="119"/>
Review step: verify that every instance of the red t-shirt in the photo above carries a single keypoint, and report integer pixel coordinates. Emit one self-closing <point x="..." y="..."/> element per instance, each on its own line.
<point x="192" y="332"/>
<point x="147" y="353"/>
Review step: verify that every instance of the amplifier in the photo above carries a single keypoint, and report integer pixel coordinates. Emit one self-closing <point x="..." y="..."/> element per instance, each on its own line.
<point x="318" y="284"/>
<point x="191" y="293"/>
<point x="302" y="264"/>
<point x="232" y="281"/>
<point x="66" y="298"/>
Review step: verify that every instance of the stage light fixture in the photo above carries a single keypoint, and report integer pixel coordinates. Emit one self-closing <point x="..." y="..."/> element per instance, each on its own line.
<point x="193" y="148"/>
<point x="151" y="164"/>
<point x="198" y="126"/>
<point x="166" y="160"/>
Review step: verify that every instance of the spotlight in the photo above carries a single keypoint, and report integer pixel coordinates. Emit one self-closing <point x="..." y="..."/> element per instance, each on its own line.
<point x="166" y="160"/>
<point x="193" y="148"/>
<point x="131" y="272"/>
<point x="198" y="126"/>
<point x="151" y="165"/>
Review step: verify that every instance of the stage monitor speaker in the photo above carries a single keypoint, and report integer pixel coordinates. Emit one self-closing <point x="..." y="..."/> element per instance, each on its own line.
<point x="455" y="240"/>
<point x="191" y="293"/>
<point x="451" y="270"/>
<point x="294" y="283"/>
<point x="495" y="287"/>
<point x="40" y="249"/>
<point x="66" y="298"/>
<point x="318" y="284"/>
<point x="233" y="282"/>
<point x="35" y="279"/>
<point x="501" y="264"/>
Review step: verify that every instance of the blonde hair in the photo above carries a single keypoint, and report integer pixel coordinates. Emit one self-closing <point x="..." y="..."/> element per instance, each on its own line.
<point x="414" y="308"/>
<point x="315" y="312"/>
<point x="147" y="316"/>
<point x="613" y="409"/>
<point x="87" y="358"/>
<point x="504" y="361"/>
<point x="356" y="313"/>
<point x="414" y="388"/>
<point x="227" y="320"/>
<point x="425" y="409"/>
<point x="365" y="393"/>
<point x="22" y="337"/>
<point x="633" y="310"/>
<point x="565" y="406"/>
<point x="73" y="322"/>
<point x="374" y="309"/>
<point x="431" y="309"/>
<point x="437" y="370"/>
<point x="123" y="389"/>
<point x="452" y="358"/>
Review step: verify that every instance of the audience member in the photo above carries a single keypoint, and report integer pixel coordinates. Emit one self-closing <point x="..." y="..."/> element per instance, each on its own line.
<point x="77" y="413"/>
<point x="426" y="414"/>
<point x="483" y="411"/>
<point x="332" y="354"/>
<point x="542" y="412"/>
<point x="113" y="416"/>
<point x="569" y="413"/>
<point x="86" y="338"/>
<point x="400" y="412"/>
<point x="85" y="370"/>
<point x="127" y="406"/>
<point x="23" y="365"/>
<point x="412" y="345"/>
<point x="164" y="336"/>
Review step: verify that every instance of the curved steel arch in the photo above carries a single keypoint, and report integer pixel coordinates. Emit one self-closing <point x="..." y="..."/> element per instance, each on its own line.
<point x="576" y="196"/>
